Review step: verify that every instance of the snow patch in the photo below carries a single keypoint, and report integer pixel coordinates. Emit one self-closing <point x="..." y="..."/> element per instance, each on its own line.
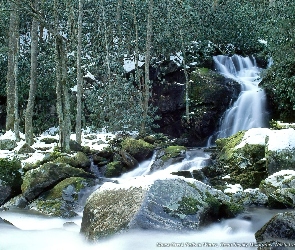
<point x="233" y="188"/>
<point x="281" y="139"/>
<point x="277" y="178"/>
<point x="254" y="136"/>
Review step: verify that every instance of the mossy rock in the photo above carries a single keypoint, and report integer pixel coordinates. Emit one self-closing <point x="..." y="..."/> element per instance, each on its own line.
<point x="49" y="140"/>
<point x="10" y="179"/>
<point x="82" y="160"/>
<point x="173" y="152"/>
<point x="280" y="160"/>
<point x="38" y="180"/>
<point x="7" y="144"/>
<point x="168" y="156"/>
<point x="139" y="149"/>
<point x="244" y="163"/>
<point x="279" y="227"/>
<point x="114" y="169"/>
<point x="26" y="149"/>
<point x="64" y="199"/>
<point x="250" y="197"/>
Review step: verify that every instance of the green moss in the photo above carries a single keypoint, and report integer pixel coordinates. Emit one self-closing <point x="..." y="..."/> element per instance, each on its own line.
<point x="10" y="172"/>
<point x="217" y="209"/>
<point x="139" y="149"/>
<point x="56" y="193"/>
<point x="172" y="152"/>
<point x="188" y="206"/>
<point x="227" y="145"/>
<point x="113" y="169"/>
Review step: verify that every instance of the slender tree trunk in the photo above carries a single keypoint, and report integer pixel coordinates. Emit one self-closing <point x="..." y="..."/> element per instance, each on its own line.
<point x="108" y="64"/>
<point x="186" y="79"/>
<point x="10" y="85"/>
<point x="146" y="90"/>
<point x="16" y="110"/>
<point x="79" y="76"/>
<point x="33" y="81"/>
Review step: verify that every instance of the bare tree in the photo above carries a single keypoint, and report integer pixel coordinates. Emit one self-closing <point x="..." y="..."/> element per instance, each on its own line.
<point x="79" y="75"/>
<point x="33" y="80"/>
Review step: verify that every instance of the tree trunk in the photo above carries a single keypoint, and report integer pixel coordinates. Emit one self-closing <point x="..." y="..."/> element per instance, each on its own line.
<point x="16" y="110"/>
<point x="186" y="79"/>
<point x="79" y="76"/>
<point x="12" y="47"/>
<point x="108" y="64"/>
<point x="146" y="89"/>
<point x="33" y="81"/>
<point x="62" y="102"/>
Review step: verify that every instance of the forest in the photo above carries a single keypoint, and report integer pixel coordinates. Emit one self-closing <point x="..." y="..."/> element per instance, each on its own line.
<point x="83" y="63"/>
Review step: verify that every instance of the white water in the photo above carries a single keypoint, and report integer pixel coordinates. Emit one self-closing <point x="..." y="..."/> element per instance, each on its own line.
<point x="42" y="232"/>
<point x="249" y="109"/>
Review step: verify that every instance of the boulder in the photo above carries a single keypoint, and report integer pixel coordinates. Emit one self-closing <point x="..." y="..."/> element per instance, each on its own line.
<point x="139" y="149"/>
<point x="168" y="156"/>
<point x="239" y="160"/>
<point x="114" y="169"/>
<point x="280" y="189"/>
<point x="64" y="199"/>
<point x="129" y="160"/>
<point x="163" y="204"/>
<point x="250" y="197"/>
<point x="281" y="227"/>
<point x="26" y="149"/>
<point x="280" y="151"/>
<point x="10" y="179"/>
<point x="45" y="177"/>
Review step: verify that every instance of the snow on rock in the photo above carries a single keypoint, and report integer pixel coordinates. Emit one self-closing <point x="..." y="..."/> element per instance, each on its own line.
<point x="278" y="178"/>
<point x="254" y="136"/>
<point x="233" y="188"/>
<point x="281" y="139"/>
<point x="275" y="140"/>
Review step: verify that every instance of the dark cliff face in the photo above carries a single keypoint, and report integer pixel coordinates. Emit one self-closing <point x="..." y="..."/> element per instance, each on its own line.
<point x="210" y="95"/>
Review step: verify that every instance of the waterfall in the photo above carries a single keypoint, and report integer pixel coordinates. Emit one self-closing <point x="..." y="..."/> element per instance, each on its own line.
<point x="249" y="109"/>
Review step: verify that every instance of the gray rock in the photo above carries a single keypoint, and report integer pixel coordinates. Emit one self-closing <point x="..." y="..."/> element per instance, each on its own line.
<point x="25" y="149"/>
<point x="280" y="189"/>
<point x="281" y="227"/>
<point x="65" y="199"/>
<point x="38" y="180"/>
<point x="169" y="204"/>
<point x="7" y="144"/>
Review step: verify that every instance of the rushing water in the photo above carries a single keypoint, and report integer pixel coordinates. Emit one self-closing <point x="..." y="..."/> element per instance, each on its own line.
<point x="249" y="110"/>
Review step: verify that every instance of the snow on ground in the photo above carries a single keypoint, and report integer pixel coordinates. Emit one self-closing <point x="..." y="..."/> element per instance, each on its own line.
<point x="94" y="140"/>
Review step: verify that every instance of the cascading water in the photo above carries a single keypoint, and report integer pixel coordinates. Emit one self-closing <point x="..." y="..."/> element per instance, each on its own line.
<point x="249" y="109"/>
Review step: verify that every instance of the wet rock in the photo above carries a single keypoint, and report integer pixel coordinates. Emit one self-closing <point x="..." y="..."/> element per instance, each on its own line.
<point x="280" y="189"/>
<point x="250" y="197"/>
<point x="75" y="146"/>
<point x="129" y="160"/>
<point x="168" y="204"/>
<point x="239" y="161"/>
<point x="64" y="199"/>
<point x="114" y="169"/>
<point x="45" y="177"/>
<point x="168" y="156"/>
<point x="139" y="149"/>
<point x="280" y="152"/>
<point x="281" y="227"/>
